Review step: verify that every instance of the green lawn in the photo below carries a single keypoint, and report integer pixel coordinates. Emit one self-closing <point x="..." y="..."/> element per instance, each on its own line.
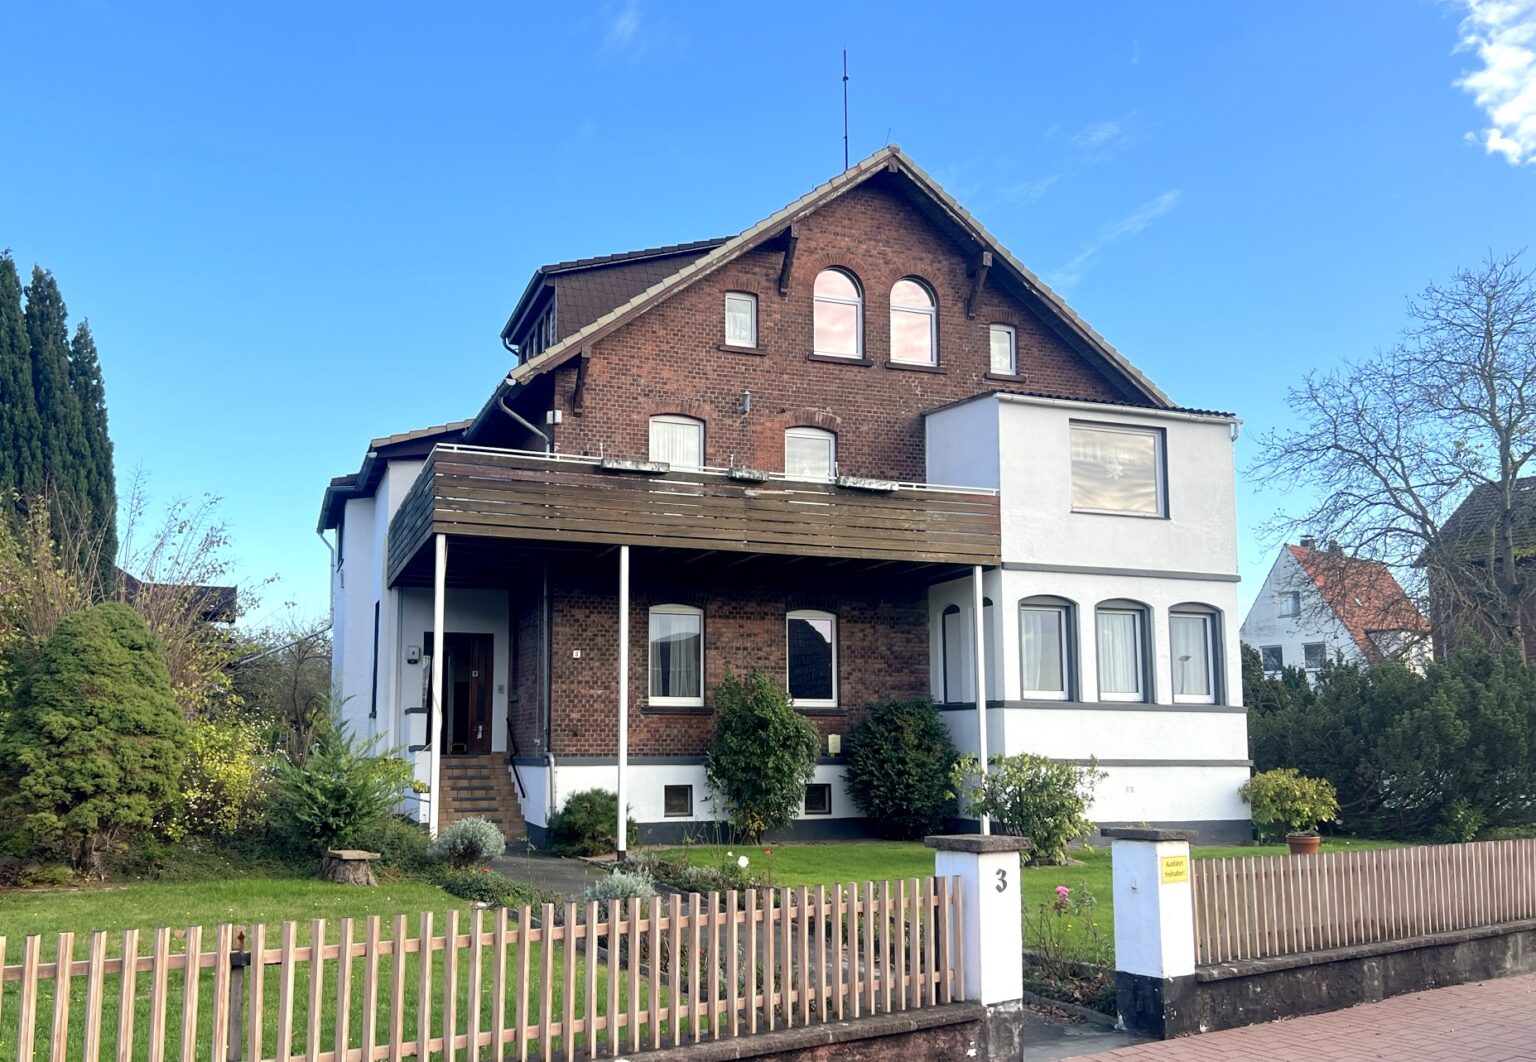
<point x="246" y="901"/>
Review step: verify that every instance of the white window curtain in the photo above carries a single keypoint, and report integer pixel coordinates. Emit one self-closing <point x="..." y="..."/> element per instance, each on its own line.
<point x="1120" y="655"/>
<point x="1189" y="641"/>
<point x="1004" y="350"/>
<point x="810" y="453"/>
<point x="740" y="319"/>
<point x="1042" y="649"/>
<point x="679" y="441"/>
<point x="677" y="655"/>
<point x="1117" y="470"/>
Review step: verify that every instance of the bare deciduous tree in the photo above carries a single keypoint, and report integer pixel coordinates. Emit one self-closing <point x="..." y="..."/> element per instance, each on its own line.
<point x="1393" y="445"/>
<point x="286" y="677"/>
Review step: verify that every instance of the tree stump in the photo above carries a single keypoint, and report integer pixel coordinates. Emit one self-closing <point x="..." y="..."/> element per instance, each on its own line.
<point x="348" y="866"/>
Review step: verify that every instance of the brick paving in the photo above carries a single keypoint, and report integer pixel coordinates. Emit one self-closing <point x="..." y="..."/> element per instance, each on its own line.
<point x="1489" y="1021"/>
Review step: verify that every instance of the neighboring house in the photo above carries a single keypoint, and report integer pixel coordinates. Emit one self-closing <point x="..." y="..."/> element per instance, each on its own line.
<point x="211" y="604"/>
<point x="1323" y="605"/>
<point x="809" y="448"/>
<point x="1484" y="553"/>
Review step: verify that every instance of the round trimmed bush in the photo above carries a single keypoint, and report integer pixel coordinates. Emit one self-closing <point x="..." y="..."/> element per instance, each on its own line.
<point x="899" y="763"/>
<point x="585" y="825"/>
<point x="467" y="841"/>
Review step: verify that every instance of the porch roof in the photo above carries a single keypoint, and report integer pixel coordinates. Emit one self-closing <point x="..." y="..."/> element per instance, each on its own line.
<point x="553" y="502"/>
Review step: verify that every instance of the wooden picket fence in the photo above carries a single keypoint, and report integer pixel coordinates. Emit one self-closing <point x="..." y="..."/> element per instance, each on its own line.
<point x="1255" y="907"/>
<point x="562" y="982"/>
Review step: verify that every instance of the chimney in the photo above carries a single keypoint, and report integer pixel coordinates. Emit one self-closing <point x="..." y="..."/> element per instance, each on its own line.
<point x="1333" y="545"/>
<point x="1308" y="542"/>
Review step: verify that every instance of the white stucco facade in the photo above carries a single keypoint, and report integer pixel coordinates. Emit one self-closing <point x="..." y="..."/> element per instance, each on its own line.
<point x="1168" y="760"/>
<point x="1287" y="625"/>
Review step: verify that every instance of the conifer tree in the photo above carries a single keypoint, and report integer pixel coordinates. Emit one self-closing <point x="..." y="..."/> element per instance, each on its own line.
<point x="90" y="391"/>
<point x="57" y="406"/>
<point x="21" y="456"/>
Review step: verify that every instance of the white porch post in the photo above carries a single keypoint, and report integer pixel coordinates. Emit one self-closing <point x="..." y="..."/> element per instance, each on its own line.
<point x="978" y="614"/>
<point x="622" y="834"/>
<point x="439" y="651"/>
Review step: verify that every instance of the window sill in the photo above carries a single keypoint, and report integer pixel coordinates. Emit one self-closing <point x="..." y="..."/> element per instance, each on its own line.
<point x="823" y="710"/>
<point x="1111" y="512"/>
<point x="1007" y="377"/>
<point x="907" y="367"/>
<point x="833" y="359"/>
<point x="677" y="709"/>
<point x="757" y="352"/>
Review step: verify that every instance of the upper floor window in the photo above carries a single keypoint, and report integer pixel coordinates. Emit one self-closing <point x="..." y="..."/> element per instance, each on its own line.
<point x="677" y="655"/>
<point x="679" y="441"/>
<point x="541" y="336"/>
<point x="1290" y="603"/>
<point x="1314" y="655"/>
<point x="810" y="453"/>
<point x="839" y="315"/>
<point x="1192" y="646"/>
<point x="914" y="324"/>
<point x="1117" y="470"/>
<point x="812" y="651"/>
<point x="740" y="319"/>
<point x="1005" y="351"/>
<point x="1273" y="657"/>
<point x="1122" y="638"/>
<point x="1044" y="638"/>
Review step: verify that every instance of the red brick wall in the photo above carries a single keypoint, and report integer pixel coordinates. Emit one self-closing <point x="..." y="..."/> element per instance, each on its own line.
<point x="882" y="649"/>
<point x="669" y="360"/>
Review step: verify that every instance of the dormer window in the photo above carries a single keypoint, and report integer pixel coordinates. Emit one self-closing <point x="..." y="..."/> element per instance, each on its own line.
<point x="541" y="336"/>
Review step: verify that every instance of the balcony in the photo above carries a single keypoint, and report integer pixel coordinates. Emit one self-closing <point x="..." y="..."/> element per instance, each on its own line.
<point x="512" y="504"/>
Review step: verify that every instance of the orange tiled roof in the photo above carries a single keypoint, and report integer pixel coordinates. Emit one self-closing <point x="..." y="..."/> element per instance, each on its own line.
<point x="1363" y="594"/>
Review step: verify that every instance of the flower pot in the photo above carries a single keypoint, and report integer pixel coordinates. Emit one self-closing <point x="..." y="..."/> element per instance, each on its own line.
<point x="1303" y="843"/>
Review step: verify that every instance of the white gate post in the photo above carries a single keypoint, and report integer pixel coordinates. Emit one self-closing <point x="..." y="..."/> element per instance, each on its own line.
<point x="1154" y="929"/>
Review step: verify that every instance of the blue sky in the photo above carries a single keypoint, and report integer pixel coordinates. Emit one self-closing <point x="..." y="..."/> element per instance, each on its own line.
<point x="296" y="227"/>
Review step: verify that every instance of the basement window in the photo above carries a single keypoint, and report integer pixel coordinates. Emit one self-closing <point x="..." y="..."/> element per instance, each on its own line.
<point x="818" y="799"/>
<point x="677" y="801"/>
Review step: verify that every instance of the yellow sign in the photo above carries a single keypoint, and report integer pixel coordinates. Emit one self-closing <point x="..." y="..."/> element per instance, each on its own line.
<point x="1175" y="869"/>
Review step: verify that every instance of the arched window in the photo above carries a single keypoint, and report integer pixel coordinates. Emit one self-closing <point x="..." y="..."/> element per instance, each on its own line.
<point x="839" y="315"/>
<point x="956" y="685"/>
<point x="1121" y="629"/>
<point x="812" y="658"/>
<point x="677" y="655"/>
<point x="989" y="639"/>
<point x="1045" y="648"/>
<point x="810" y="453"/>
<point x="1194" y="652"/>
<point x="914" y="324"/>
<point x="679" y="441"/>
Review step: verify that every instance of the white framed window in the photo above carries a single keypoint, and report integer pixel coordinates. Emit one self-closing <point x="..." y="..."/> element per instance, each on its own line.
<point x="1044" y="649"/>
<point x="955" y="680"/>
<point x="1273" y="657"/>
<point x="811" y="641"/>
<point x="1289" y="603"/>
<point x="1122" y="634"/>
<point x="810" y="453"/>
<point x="1005" y="350"/>
<point x="914" y="324"/>
<point x="677" y="801"/>
<point x="838" y="314"/>
<point x="679" y="441"/>
<point x="1314" y="655"/>
<point x="1117" y="470"/>
<point x="677" y="656"/>
<point x="1192" y="648"/>
<point x="740" y="319"/>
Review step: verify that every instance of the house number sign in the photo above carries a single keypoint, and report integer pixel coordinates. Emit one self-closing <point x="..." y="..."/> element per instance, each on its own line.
<point x="1175" y="869"/>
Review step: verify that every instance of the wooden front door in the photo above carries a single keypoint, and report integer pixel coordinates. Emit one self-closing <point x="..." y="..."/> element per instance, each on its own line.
<point x="466" y="693"/>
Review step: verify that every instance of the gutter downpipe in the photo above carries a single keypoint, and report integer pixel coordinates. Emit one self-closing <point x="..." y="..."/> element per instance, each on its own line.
<point x="549" y="444"/>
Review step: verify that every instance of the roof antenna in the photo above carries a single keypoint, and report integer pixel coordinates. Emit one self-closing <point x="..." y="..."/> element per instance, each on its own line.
<point x="845" y="108"/>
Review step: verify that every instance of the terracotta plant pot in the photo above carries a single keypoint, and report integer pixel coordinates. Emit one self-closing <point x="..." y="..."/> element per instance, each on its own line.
<point x="1303" y="843"/>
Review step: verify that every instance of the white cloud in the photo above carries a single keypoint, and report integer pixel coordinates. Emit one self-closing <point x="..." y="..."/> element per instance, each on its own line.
<point x="1130" y="225"/>
<point x="1022" y="192"/>
<point x="1099" y="141"/>
<point x="1503" y="35"/>
<point x="622" y="30"/>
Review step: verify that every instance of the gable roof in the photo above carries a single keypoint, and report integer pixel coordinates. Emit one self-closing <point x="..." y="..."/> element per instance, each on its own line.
<point x="1479" y="511"/>
<point x="363" y="482"/>
<point x="1363" y="594"/>
<point x="890" y="159"/>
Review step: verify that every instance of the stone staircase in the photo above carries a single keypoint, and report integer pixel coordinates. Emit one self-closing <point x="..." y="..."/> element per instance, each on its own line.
<point x="482" y="787"/>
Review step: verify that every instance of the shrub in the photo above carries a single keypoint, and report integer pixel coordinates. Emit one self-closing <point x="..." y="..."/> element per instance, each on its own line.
<point x="484" y="885"/>
<point x="621" y="885"/>
<point x="585" y="825"/>
<point x="45" y="876"/>
<point x="1286" y="801"/>
<point x="763" y="754"/>
<point x="899" y="762"/>
<point x="94" y="743"/>
<point x="401" y="843"/>
<point x="342" y="791"/>
<point x="467" y="841"/>
<point x="224" y="781"/>
<point x="1032" y="796"/>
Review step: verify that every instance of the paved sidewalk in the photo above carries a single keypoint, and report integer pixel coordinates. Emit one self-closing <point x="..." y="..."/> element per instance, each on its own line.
<point x="568" y="877"/>
<point x="1489" y="1021"/>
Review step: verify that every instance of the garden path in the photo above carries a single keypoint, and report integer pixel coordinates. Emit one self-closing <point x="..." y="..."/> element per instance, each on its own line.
<point x="567" y="877"/>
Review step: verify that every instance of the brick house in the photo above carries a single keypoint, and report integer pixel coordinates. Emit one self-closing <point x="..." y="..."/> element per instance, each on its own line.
<point x="808" y="448"/>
